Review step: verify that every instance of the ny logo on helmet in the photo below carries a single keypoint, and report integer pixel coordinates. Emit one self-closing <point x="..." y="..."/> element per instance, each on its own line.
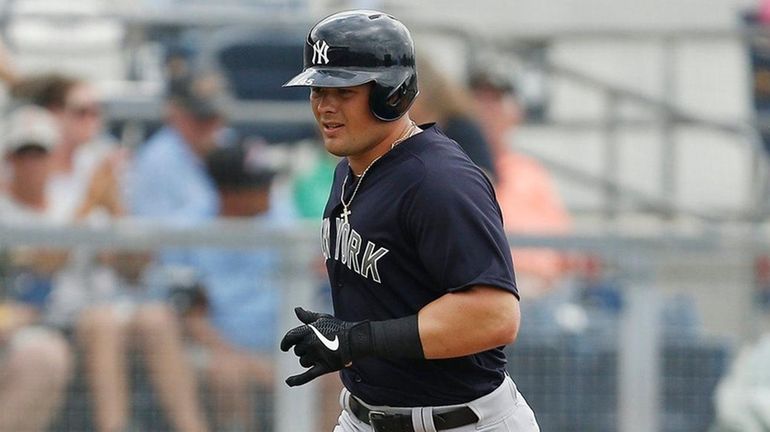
<point x="320" y="52"/>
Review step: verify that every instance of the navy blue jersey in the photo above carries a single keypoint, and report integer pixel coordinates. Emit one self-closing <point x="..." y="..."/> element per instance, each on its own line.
<point x="425" y="222"/>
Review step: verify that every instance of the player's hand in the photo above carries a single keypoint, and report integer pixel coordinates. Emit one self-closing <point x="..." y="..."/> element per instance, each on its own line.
<point x="322" y="344"/>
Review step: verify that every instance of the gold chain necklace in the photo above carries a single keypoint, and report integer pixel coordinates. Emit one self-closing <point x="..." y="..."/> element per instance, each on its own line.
<point x="411" y="130"/>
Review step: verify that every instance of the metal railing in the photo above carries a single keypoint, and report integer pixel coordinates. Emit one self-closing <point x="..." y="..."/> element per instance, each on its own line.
<point x="638" y="261"/>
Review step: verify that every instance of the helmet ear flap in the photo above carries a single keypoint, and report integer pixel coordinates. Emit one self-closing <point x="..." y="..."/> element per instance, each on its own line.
<point x="389" y="104"/>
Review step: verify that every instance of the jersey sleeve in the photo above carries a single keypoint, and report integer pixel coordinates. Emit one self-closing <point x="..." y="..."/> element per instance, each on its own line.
<point x="457" y="227"/>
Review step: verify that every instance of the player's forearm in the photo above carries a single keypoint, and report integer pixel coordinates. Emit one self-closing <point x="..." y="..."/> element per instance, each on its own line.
<point x="454" y="325"/>
<point x="468" y="322"/>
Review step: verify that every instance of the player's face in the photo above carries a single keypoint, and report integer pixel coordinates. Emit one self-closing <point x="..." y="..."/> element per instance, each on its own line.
<point x="346" y="123"/>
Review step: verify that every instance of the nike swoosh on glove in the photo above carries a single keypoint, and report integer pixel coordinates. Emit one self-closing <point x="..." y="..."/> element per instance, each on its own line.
<point x="325" y="344"/>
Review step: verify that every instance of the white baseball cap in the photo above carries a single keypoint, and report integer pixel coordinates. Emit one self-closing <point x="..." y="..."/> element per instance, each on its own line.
<point x="30" y="126"/>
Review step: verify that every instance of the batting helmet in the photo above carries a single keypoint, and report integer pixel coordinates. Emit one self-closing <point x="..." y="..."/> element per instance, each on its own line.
<point x="356" y="47"/>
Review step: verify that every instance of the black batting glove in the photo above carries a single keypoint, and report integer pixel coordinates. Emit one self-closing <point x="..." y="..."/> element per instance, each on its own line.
<point x="325" y="344"/>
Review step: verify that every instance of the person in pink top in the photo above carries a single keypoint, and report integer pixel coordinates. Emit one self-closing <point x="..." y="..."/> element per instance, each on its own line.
<point x="764" y="11"/>
<point x="529" y="200"/>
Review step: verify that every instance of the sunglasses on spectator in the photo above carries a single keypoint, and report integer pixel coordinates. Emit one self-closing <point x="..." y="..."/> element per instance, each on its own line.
<point x="85" y="110"/>
<point x="31" y="148"/>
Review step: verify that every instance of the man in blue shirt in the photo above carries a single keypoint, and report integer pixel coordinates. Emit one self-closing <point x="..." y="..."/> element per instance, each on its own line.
<point x="168" y="180"/>
<point x="421" y="273"/>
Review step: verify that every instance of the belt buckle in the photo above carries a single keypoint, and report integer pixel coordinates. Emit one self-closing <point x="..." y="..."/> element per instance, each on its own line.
<point x="376" y="415"/>
<point x="384" y="422"/>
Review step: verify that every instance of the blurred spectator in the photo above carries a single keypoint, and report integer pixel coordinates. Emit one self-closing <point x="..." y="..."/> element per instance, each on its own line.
<point x="764" y="11"/>
<point x="743" y="396"/>
<point x="30" y="136"/>
<point x="451" y="107"/>
<point x="34" y="370"/>
<point x="168" y="179"/>
<point x="85" y="161"/>
<point x="133" y="313"/>
<point x="35" y="363"/>
<point x="233" y="319"/>
<point x="528" y="199"/>
<point x="312" y="183"/>
<point x="29" y="141"/>
<point x="82" y="184"/>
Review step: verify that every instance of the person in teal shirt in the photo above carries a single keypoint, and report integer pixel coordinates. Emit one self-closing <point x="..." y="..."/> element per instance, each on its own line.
<point x="311" y="186"/>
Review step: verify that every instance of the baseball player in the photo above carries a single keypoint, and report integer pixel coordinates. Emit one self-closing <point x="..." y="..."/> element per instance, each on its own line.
<point x="421" y="274"/>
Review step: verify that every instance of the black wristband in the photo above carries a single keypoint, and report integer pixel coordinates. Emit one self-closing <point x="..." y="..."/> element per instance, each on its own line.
<point x="397" y="338"/>
<point x="360" y="340"/>
<point x="391" y="339"/>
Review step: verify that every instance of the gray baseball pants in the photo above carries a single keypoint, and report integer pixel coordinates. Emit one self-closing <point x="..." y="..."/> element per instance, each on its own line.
<point x="502" y="410"/>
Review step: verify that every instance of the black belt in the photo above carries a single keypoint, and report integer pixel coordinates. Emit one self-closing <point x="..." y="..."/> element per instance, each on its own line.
<point x="384" y="422"/>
